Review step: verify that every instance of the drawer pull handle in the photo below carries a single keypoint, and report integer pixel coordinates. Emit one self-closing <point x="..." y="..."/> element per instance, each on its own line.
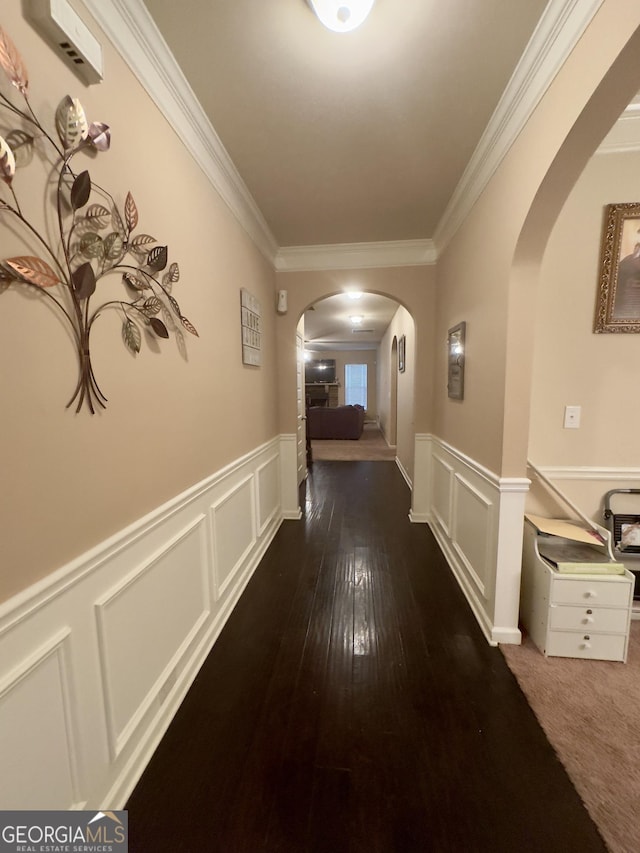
<point x="587" y="637"/>
<point x="588" y="620"/>
<point x="590" y="594"/>
<point x="586" y="645"/>
<point x="589" y="612"/>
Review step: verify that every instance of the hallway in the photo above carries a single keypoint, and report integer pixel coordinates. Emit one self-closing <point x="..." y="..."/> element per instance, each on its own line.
<point x="351" y="703"/>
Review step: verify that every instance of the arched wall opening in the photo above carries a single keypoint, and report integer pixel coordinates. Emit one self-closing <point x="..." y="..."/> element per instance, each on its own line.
<point x="615" y="91"/>
<point x="413" y="288"/>
<point x="488" y="276"/>
<point x="558" y="260"/>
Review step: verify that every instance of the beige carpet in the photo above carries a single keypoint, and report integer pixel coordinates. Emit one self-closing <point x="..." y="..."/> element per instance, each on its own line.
<point x="371" y="446"/>
<point x="590" y="711"/>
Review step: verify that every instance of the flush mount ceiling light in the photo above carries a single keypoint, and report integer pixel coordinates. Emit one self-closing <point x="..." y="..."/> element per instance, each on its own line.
<point x="356" y="319"/>
<point x="354" y="294"/>
<point x="341" y="16"/>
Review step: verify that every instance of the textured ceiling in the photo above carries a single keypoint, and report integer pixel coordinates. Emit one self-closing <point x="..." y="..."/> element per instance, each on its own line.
<point x="359" y="137"/>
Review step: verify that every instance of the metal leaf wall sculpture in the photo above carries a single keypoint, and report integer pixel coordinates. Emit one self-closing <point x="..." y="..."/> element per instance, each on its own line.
<point x="94" y="239"/>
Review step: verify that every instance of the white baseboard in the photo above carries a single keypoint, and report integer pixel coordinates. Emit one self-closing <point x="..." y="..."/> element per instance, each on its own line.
<point x="404" y="473"/>
<point x="97" y="657"/>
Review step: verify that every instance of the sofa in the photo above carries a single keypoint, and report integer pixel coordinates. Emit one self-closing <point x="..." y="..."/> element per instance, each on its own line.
<point x="345" y="422"/>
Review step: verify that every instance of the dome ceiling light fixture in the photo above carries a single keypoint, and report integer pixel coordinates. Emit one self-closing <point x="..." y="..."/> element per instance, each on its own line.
<point x="341" y="16"/>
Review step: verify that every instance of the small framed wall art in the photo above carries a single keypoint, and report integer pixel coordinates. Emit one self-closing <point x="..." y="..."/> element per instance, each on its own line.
<point x="402" y="353"/>
<point x="251" y="326"/>
<point x="455" y="360"/>
<point x="618" y="304"/>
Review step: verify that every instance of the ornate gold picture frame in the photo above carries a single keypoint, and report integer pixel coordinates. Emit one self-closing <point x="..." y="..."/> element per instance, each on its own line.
<point x="618" y="305"/>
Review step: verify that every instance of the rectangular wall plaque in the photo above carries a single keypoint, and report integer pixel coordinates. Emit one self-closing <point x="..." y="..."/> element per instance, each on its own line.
<point x="251" y="325"/>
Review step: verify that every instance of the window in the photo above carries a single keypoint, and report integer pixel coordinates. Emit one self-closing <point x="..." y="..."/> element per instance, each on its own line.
<point x="355" y="385"/>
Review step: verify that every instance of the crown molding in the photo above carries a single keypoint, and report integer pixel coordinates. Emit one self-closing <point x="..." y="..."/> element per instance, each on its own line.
<point x="351" y="256"/>
<point x="135" y="36"/>
<point x="137" y="39"/>
<point x="559" y="29"/>
<point x="624" y="137"/>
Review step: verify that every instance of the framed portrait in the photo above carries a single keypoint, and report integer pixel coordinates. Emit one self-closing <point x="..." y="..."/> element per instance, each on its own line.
<point x="402" y="353"/>
<point x="455" y="350"/>
<point x="618" y="304"/>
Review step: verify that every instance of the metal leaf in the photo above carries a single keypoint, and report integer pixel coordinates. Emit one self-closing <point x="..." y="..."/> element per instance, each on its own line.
<point x="159" y="327"/>
<point x="171" y="277"/>
<point x="91" y="245"/>
<point x="12" y="63"/>
<point x="71" y="122"/>
<point x="175" y="306"/>
<point x="33" y="270"/>
<point x="152" y="306"/>
<point x="7" y="162"/>
<point x="21" y="143"/>
<point x="98" y="214"/>
<point x="138" y="245"/>
<point x="137" y="282"/>
<point x="130" y="213"/>
<point x="81" y="190"/>
<point x="174" y="272"/>
<point x="84" y="281"/>
<point x="100" y="135"/>
<point x="131" y="335"/>
<point x="113" y="246"/>
<point x="157" y="258"/>
<point x="116" y="222"/>
<point x="189" y="326"/>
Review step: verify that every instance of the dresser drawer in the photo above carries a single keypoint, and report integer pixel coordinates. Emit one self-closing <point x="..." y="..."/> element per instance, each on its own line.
<point x="602" y="593"/>
<point x="605" y="619"/>
<point x="570" y="644"/>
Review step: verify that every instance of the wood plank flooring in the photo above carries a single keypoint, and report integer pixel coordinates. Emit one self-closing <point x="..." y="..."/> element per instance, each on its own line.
<point x="351" y="703"/>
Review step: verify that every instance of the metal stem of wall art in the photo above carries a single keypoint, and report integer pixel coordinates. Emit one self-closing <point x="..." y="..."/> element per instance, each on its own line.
<point x="94" y="239"/>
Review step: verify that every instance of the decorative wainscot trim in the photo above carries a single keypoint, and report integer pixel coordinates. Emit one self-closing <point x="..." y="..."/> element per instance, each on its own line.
<point x="477" y="519"/>
<point x="618" y="308"/>
<point x="97" y="657"/>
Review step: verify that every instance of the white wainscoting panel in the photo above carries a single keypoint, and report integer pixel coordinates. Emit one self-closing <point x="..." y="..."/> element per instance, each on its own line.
<point x="96" y="658"/>
<point x="289" y="497"/>
<point x="131" y="617"/>
<point x="472" y="530"/>
<point x="234" y="532"/>
<point x="46" y="761"/>
<point x="477" y="519"/>
<point x="442" y="496"/>
<point x="268" y="486"/>
<point x="421" y="490"/>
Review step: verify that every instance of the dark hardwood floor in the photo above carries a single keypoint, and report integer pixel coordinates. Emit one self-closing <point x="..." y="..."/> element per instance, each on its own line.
<point x="351" y="703"/>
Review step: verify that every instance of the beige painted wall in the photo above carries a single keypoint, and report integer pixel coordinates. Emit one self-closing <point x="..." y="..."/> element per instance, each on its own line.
<point x="344" y="357"/>
<point x="401" y="324"/>
<point x="412" y="287"/>
<point x="477" y="280"/>
<point x="70" y="481"/>
<point x="572" y="365"/>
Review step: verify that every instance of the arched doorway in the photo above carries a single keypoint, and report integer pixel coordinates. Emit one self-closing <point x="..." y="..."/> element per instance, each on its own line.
<point x="391" y="393"/>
